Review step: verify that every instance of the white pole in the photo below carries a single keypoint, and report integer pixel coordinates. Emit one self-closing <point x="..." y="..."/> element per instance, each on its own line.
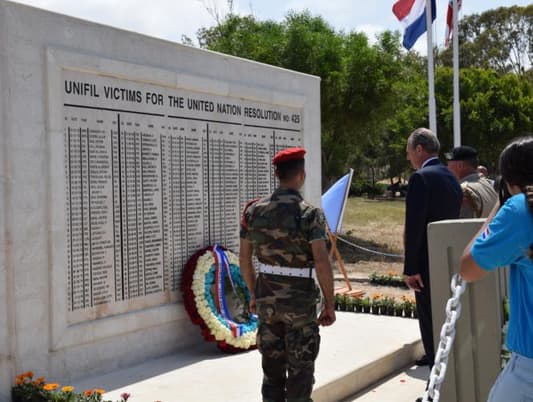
<point x="456" y="101"/>
<point x="431" y="69"/>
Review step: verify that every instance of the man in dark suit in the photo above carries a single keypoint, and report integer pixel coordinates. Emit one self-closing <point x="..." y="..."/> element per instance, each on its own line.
<point x="433" y="194"/>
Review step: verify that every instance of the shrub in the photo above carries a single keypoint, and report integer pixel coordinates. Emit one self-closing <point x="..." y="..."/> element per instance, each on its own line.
<point x="366" y="188"/>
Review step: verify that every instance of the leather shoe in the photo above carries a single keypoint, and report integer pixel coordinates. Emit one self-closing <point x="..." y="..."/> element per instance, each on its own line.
<point x="421" y="399"/>
<point x="423" y="361"/>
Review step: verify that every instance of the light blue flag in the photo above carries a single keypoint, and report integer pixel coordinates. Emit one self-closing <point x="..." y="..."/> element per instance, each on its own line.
<point x="334" y="202"/>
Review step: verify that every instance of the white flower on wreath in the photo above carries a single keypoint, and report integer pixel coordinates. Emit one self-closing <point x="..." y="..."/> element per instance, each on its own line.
<point x="218" y="330"/>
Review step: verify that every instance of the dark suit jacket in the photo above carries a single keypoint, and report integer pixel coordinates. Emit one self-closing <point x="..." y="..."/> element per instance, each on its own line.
<point x="433" y="194"/>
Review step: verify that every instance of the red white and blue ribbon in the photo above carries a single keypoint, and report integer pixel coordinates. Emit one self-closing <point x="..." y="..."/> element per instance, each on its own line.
<point x="222" y="268"/>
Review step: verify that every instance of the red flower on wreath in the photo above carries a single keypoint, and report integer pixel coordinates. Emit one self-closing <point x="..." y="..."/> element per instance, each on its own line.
<point x="190" y="303"/>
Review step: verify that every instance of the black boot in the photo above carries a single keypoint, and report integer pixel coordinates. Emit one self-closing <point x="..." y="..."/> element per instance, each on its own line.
<point x="423" y="361"/>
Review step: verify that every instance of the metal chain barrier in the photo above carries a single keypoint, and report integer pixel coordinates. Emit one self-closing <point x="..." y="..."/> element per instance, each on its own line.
<point x="369" y="250"/>
<point x="447" y="336"/>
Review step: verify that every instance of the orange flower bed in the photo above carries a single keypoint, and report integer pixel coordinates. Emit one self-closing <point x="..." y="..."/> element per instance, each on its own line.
<point x="26" y="389"/>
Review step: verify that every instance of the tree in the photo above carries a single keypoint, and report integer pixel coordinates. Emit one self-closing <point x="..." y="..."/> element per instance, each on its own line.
<point x="215" y="11"/>
<point x="494" y="109"/>
<point x="373" y="96"/>
<point x="499" y="39"/>
<point x="356" y="78"/>
<point x="246" y="37"/>
<point x="410" y="110"/>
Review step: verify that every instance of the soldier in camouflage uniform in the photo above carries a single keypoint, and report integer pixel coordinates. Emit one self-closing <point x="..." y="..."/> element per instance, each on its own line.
<point x="479" y="196"/>
<point x="288" y="237"/>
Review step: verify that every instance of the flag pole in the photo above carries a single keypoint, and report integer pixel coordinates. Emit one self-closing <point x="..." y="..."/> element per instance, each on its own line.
<point x="456" y="101"/>
<point x="431" y="69"/>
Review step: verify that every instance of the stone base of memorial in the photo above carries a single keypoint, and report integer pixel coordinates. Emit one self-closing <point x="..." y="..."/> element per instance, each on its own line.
<point x="217" y="299"/>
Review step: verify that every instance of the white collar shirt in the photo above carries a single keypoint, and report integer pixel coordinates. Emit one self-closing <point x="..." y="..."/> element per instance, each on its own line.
<point x="427" y="161"/>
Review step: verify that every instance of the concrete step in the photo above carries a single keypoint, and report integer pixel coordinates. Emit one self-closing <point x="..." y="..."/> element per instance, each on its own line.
<point x="372" y="348"/>
<point x="357" y="351"/>
<point x="403" y="386"/>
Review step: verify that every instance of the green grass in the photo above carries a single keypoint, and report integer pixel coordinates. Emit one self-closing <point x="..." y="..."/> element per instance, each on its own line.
<point x="362" y="211"/>
<point x="376" y="224"/>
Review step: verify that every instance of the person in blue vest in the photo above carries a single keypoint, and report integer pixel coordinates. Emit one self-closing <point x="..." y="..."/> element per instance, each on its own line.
<point x="506" y="239"/>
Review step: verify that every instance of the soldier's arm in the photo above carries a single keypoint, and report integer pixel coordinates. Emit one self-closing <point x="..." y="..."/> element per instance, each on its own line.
<point x="245" y="254"/>
<point x="471" y="206"/>
<point x="316" y="232"/>
<point x="324" y="272"/>
<point x="247" y="269"/>
<point x="467" y="209"/>
<point x="324" y="275"/>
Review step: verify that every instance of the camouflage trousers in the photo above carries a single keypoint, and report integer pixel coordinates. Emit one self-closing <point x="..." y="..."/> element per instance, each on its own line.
<point x="287" y="337"/>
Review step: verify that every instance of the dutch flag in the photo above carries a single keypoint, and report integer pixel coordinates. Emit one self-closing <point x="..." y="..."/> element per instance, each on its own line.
<point x="412" y="14"/>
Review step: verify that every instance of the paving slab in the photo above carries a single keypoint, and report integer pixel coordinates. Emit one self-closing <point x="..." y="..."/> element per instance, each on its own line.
<point x="357" y="351"/>
<point x="405" y="386"/>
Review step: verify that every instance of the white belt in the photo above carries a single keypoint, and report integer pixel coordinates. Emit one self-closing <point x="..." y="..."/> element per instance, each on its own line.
<point x="286" y="271"/>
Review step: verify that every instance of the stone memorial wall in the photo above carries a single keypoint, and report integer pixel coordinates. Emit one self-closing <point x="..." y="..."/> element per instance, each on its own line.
<point x="152" y="175"/>
<point x="122" y="155"/>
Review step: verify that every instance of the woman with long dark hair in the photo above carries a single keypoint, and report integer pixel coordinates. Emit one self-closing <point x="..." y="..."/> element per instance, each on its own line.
<point x="506" y="239"/>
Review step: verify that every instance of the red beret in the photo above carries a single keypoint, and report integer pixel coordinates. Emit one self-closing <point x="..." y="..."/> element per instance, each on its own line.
<point x="288" y="154"/>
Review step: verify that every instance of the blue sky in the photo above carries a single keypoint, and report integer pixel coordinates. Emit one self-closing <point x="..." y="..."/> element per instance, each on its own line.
<point x="170" y="19"/>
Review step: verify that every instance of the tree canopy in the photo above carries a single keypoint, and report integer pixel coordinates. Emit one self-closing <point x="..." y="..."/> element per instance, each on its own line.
<point x="499" y="39"/>
<point x="374" y="94"/>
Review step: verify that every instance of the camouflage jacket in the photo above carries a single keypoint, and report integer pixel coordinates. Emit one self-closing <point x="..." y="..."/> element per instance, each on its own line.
<point x="281" y="228"/>
<point x="480" y="194"/>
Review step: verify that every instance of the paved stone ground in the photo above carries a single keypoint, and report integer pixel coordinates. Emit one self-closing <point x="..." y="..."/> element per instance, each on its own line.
<point x="405" y="386"/>
<point x="359" y="350"/>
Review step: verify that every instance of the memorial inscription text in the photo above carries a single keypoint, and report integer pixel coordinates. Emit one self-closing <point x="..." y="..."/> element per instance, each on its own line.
<point x="152" y="174"/>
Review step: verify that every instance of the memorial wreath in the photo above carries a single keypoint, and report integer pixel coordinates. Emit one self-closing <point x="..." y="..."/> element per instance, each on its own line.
<point x="217" y="299"/>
